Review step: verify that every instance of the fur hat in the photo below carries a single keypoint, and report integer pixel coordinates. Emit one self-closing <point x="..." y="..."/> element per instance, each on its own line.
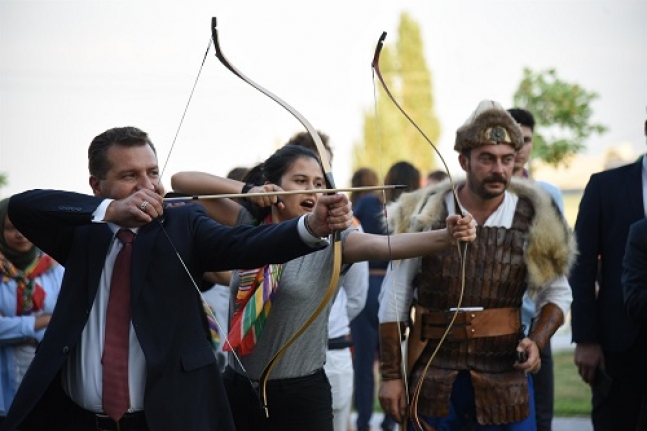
<point x="489" y="124"/>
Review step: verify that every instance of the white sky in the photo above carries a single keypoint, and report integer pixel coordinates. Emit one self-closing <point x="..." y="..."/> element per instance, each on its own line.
<point x="71" y="69"/>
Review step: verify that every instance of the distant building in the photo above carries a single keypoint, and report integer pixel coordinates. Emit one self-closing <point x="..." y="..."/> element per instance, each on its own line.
<point x="580" y="168"/>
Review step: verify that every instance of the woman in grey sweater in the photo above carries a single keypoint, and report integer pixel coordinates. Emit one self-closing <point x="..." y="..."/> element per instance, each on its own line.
<point x="298" y="393"/>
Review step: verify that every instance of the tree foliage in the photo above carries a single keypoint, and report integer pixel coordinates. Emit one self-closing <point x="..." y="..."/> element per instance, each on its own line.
<point x="562" y="112"/>
<point x="388" y="137"/>
<point x="3" y="180"/>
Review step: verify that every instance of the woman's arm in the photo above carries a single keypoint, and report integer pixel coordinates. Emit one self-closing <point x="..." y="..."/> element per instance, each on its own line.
<point x="364" y="246"/>
<point x="224" y="211"/>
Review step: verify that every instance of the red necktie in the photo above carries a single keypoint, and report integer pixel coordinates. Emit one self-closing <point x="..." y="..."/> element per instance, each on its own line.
<point x="116" y="399"/>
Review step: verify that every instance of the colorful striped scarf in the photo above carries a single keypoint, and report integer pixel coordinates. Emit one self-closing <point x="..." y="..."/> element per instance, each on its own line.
<point x="30" y="295"/>
<point x="253" y="304"/>
<point x="214" y="328"/>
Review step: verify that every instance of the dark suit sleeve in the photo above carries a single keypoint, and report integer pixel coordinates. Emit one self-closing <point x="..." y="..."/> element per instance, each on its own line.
<point x="584" y="273"/>
<point x="48" y="218"/>
<point x="221" y="247"/>
<point x="634" y="276"/>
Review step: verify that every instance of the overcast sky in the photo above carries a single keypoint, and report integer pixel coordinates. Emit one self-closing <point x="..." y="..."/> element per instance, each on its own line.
<point x="71" y="69"/>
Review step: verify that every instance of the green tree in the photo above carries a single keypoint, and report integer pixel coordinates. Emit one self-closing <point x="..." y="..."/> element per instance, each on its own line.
<point x="562" y="112"/>
<point x="406" y="73"/>
<point x="3" y="180"/>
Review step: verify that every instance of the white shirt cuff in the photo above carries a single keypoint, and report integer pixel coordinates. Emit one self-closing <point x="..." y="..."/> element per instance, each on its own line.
<point x="99" y="214"/>
<point x="306" y="237"/>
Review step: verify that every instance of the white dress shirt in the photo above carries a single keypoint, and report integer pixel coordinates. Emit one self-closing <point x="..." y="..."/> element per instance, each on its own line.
<point x="83" y="372"/>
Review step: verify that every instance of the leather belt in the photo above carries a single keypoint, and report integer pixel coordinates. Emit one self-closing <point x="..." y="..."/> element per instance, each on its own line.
<point x="100" y="422"/>
<point x="493" y="322"/>
<point x="86" y="420"/>
<point x="233" y="376"/>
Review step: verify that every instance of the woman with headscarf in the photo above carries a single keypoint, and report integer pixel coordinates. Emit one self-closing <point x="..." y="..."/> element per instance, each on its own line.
<point x="30" y="284"/>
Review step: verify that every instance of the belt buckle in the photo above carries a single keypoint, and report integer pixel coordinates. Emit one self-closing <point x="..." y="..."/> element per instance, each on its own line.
<point x="466" y="323"/>
<point x="450" y="314"/>
<point x="99" y="416"/>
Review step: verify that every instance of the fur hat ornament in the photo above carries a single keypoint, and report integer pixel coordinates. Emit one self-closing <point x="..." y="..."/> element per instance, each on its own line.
<point x="489" y="124"/>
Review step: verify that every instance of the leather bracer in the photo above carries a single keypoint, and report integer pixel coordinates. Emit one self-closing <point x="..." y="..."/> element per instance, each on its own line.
<point x="550" y="319"/>
<point x="390" y="350"/>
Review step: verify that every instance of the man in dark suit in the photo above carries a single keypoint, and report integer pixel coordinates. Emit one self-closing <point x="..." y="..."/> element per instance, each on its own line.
<point x="634" y="276"/>
<point x="634" y="283"/>
<point x="609" y="353"/>
<point x="172" y="379"/>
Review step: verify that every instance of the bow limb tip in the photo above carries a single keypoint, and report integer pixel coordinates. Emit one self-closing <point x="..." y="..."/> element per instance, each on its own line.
<point x="214" y="36"/>
<point x="214" y="33"/>
<point x="378" y="49"/>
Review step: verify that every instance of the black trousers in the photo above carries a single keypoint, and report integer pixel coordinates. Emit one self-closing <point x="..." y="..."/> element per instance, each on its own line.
<point x="620" y="408"/>
<point x="301" y="403"/>
<point x="61" y="413"/>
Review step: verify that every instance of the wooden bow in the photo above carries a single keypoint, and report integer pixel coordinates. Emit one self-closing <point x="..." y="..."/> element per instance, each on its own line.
<point x="413" y="403"/>
<point x="330" y="184"/>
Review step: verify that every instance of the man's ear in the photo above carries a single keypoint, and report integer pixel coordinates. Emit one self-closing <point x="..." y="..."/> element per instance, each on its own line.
<point x="463" y="160"/>
<point x="95" y="184"/>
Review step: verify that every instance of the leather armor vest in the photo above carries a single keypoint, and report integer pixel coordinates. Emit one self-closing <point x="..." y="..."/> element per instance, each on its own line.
<point x="495" y="277"/>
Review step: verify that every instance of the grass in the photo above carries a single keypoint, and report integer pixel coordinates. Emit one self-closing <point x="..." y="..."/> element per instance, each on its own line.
<point x="572" y="200"/>
<point x="572" y="395"/>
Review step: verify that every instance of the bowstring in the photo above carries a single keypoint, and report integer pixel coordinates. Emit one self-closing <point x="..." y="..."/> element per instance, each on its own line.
<point x="208" y="309"/>
<point x="388" y="234"/>
<point x="186" y="108"/>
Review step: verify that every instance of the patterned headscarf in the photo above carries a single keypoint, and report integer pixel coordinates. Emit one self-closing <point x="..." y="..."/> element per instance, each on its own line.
<point x="23" y="268"/>
<point x="19" y="260"/>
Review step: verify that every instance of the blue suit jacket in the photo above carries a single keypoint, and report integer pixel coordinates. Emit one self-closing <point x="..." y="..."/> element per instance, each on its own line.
<point x="634" y="277"/>
<point x="183" y="386"/>
<point x="612" y="201"/>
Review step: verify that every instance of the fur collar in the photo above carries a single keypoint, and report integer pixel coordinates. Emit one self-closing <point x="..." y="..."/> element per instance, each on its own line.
<point x="551" y="247"/>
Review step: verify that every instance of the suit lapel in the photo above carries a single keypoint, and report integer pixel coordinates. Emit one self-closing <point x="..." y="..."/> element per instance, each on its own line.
<point x="142" y="254"/>
<point x="634" y="189"/>
<point x="98" y="246"/>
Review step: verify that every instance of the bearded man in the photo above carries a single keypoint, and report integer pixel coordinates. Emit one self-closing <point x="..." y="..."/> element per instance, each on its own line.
<point x="478" y="376"/>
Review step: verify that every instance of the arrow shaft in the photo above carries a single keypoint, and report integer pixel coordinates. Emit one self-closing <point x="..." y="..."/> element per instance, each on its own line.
<point x="281" y="193"/>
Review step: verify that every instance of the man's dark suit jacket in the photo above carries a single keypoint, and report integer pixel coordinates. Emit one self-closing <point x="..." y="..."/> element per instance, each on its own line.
<point x="634" y="277"/>
<point x="183" y="390"/>
<point x="612" y="201"/>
